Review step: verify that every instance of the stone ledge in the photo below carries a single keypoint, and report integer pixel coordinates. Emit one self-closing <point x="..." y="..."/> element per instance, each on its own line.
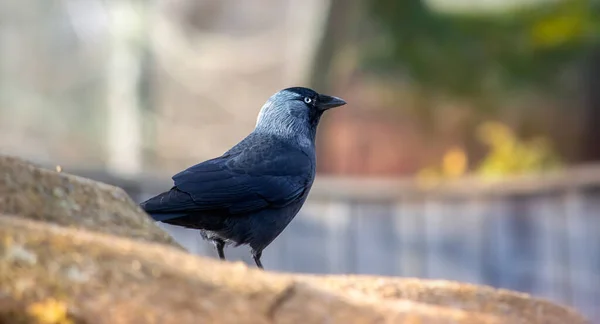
<point x="63" y="199"/>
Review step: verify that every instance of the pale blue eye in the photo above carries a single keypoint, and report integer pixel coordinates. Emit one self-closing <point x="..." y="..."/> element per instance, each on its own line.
<point x="307" y="100"/>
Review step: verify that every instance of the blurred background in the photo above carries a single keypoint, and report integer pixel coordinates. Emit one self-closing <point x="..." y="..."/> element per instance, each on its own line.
<point x="469" y="150"/>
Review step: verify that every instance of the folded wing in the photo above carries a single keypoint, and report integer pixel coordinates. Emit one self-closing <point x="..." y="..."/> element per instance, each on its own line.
<point x="235" y="184"/>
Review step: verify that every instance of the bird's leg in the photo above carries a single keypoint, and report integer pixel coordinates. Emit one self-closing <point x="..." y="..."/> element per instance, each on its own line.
<point x="256" y="255"/>
<point x="220" y="244"/>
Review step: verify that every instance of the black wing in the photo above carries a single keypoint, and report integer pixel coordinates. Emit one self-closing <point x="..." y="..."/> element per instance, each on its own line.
<point x="247" y="182"/>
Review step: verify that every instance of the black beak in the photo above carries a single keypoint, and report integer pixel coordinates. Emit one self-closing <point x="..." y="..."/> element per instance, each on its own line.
<point x="327" y="102"/>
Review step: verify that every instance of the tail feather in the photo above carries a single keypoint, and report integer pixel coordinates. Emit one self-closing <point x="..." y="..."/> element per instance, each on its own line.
<point x="164" y="217"/>
<point x="177" y="208"/>
<point x="167" y="205"/>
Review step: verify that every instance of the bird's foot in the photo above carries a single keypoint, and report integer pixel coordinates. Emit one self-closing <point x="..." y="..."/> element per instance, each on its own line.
<point x="257" y="255"/>
<point x="220" y="245"/>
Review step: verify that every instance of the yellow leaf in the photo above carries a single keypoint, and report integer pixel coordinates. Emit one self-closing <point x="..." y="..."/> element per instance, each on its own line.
<point x="454" y="163"/>
<point x="556" y="30"/>
<point x="49" y="311"/>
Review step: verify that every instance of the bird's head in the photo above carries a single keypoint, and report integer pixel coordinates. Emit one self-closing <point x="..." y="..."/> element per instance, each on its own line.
<point x="295" y="111"/>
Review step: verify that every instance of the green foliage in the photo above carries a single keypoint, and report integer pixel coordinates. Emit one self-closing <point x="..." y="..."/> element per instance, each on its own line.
<point x="468" y="54"/>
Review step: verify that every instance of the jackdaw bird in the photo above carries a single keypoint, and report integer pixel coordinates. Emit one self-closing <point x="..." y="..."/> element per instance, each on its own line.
<point x="250" y="194"/>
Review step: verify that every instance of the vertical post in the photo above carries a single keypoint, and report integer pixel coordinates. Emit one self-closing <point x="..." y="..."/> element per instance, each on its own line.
<point x="306" y="31"/>
<point x="124" y="123"/>
<point x="591" y="129"/>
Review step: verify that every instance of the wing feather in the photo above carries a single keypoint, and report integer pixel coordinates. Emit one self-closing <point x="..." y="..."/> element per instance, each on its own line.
<point x="243" y="183"/>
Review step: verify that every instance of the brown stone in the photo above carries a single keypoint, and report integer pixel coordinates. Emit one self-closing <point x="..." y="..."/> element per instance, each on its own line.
<point x="85" y="277"/>
<point x="46" y="195"/>
<point x="518" y="307"/>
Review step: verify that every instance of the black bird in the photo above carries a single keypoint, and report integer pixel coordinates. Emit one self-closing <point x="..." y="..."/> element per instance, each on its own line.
<point x="252" y="192"/>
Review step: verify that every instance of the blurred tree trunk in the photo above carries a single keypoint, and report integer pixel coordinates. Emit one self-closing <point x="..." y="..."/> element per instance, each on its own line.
<point x="341" y="16"/>
<point x="590" y="151"/>
<point x="124" y="129"/>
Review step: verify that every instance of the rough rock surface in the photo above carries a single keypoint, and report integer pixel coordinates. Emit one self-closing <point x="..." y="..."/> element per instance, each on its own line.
<point x="505" y="304"/>
<point x="76" y="251"/>
<point x="85" y="277"/>
<point x="94" y="278"/>
<point x="68" y="200"/>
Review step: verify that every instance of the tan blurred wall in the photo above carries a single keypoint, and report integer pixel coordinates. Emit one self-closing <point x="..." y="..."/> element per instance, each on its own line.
<point x="133" y="85"/>
<point x="216" y="63"/>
